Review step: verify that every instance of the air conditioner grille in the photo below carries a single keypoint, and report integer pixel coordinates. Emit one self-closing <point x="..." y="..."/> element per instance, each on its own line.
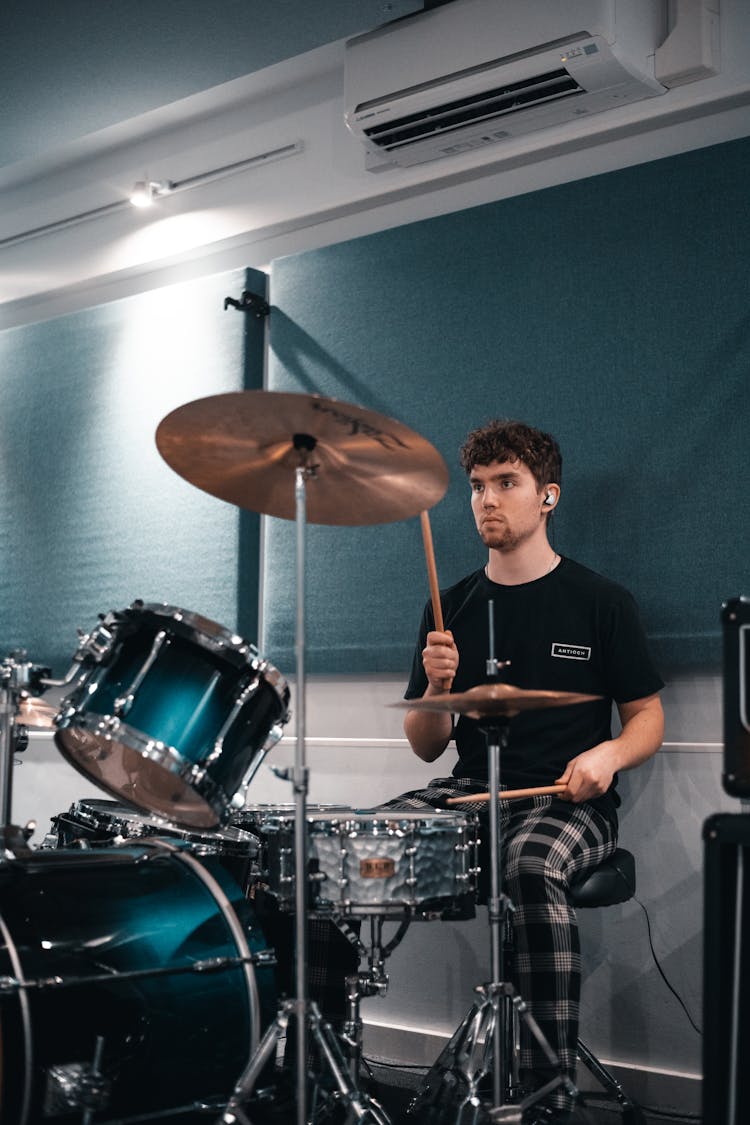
<point x="486" y="106"/>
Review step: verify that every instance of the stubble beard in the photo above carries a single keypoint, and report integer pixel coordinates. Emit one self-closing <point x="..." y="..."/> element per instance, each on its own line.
<point x="501" y="537"/>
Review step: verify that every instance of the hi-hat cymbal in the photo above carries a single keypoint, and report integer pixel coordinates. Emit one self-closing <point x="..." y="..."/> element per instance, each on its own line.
<point x="244" y="447"/>
<point x="486" y="700"/>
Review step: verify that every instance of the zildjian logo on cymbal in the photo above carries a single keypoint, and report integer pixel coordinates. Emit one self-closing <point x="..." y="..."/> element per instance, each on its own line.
<point x="358" y="426"/>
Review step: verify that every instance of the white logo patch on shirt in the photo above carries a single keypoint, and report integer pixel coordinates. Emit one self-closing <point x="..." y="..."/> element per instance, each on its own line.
<point x="571" y="652"/>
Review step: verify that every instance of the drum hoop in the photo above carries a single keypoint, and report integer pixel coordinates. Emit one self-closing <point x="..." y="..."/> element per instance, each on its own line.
<point x="192" y="774"/>
<point x="233" y="922"/>
<point x="394" y="822"/>
<point x="150" y="825"/>
<point x="28" y="1039"/>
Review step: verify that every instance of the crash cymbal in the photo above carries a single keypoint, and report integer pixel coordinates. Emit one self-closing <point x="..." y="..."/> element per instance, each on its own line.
<point x="33" y="712"/>
<point x="244" y="447"/>
<point x="486" y="700"/>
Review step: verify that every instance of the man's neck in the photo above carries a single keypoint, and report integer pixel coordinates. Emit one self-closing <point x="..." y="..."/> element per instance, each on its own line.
<point x="525" y="563"/>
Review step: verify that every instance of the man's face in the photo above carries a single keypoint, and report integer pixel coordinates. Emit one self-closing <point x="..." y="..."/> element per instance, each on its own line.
<point x="507" y="505"/>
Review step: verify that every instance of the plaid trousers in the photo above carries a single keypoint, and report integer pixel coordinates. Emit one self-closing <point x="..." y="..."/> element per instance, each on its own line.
<point x="546" y="844"/>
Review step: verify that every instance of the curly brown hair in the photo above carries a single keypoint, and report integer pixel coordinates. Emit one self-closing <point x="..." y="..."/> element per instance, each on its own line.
<point x="507" y="440"/>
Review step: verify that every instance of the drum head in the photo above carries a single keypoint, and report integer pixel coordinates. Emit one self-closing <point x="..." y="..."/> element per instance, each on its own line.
<point x="131" y="775"/>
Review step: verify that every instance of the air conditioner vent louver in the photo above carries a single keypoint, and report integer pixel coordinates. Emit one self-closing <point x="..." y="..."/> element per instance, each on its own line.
<point x="487" y="106"/>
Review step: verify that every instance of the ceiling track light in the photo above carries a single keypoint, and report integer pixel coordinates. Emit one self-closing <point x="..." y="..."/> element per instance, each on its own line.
<point x="147" y="191"/>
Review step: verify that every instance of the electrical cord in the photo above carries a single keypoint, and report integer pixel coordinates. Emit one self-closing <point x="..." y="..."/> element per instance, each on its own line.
<point x="662" y="974"/>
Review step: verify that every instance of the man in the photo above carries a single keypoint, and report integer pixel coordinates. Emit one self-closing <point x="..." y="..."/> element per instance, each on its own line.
<point x="562" y="627"/>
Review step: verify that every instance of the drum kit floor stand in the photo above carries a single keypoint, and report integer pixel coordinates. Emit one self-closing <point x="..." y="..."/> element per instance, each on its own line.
<point x="309" y="1025"/>
<point x="487" y="1042"/>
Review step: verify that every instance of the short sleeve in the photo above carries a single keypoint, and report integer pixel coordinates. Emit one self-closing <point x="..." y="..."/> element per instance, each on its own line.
<point x="417" y="685"/>
<point x="630" y="671"/>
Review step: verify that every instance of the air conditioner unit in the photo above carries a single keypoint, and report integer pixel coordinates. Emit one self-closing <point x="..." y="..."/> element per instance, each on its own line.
<point x="474" y="72"/>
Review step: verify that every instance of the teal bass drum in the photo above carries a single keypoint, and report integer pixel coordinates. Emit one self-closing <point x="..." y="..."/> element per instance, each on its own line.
<point x="134" y="982"/>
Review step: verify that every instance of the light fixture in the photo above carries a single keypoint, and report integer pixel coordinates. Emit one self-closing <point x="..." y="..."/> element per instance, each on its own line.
<point x="145" y="191"/>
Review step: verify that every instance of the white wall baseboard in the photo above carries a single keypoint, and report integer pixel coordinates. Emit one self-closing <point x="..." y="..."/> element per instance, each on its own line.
<point x="664" y="1090"/>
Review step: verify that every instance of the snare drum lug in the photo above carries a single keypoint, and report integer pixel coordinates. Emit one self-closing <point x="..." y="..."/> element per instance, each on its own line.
<point x="9" y="984"/>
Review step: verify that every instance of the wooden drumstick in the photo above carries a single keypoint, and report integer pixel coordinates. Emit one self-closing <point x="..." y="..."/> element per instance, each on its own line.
<point x="429" y="553"/>
<point x="509" y="794"/>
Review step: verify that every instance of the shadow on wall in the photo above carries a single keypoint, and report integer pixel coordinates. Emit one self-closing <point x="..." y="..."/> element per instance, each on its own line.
<point x="310" y="369"/>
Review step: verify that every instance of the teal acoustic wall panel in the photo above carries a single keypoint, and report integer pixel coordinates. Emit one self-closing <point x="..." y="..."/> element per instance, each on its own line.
<point x="612" y="311"/>
<point x="91" y="517"/>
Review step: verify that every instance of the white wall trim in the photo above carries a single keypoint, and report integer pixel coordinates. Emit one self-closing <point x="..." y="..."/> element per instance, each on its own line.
<point x="652" y="1087"/>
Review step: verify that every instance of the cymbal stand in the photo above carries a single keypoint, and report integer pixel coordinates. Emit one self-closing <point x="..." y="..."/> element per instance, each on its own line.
<point x="17" y="676"/>
<point x="307" y="1017"/>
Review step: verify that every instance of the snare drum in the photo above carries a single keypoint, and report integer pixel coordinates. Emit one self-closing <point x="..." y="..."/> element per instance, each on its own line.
<point x="96" y="823"/>
<point x="136" y="984"/>
<point x="170" y="712"/>
<point x="391" y="862"/>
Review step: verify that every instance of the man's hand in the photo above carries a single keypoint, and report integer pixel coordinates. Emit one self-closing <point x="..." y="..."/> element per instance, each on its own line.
<point x="440" y="660"/>
<point x="589" y="774"/>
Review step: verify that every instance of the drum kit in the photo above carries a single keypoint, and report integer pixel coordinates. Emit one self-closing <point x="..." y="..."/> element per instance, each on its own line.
<point x="131" y="928"/>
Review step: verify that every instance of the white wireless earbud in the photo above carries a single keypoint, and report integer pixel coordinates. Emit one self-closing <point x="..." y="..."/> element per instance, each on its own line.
<point x="549" y="500"/>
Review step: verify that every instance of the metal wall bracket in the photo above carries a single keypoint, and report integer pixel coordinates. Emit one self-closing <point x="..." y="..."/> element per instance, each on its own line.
<point x="249" y="302"/>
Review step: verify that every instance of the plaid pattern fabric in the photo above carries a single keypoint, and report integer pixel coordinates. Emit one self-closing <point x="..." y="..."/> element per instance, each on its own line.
<point x="436" y="794"/>
<point x="546" y="844"/>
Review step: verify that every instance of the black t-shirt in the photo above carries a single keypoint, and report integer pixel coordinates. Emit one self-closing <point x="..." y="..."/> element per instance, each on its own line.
<point x="571" y="630"/>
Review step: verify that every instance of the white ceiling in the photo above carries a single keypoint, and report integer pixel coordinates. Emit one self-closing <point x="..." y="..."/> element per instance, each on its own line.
<point x="96" y="95"/>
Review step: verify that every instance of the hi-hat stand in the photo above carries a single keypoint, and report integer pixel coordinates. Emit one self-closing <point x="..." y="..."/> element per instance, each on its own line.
<point x="487" y="1042"/>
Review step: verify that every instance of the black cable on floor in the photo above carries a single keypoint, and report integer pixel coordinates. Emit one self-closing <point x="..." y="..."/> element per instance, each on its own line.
<point x="662" y="974"/>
